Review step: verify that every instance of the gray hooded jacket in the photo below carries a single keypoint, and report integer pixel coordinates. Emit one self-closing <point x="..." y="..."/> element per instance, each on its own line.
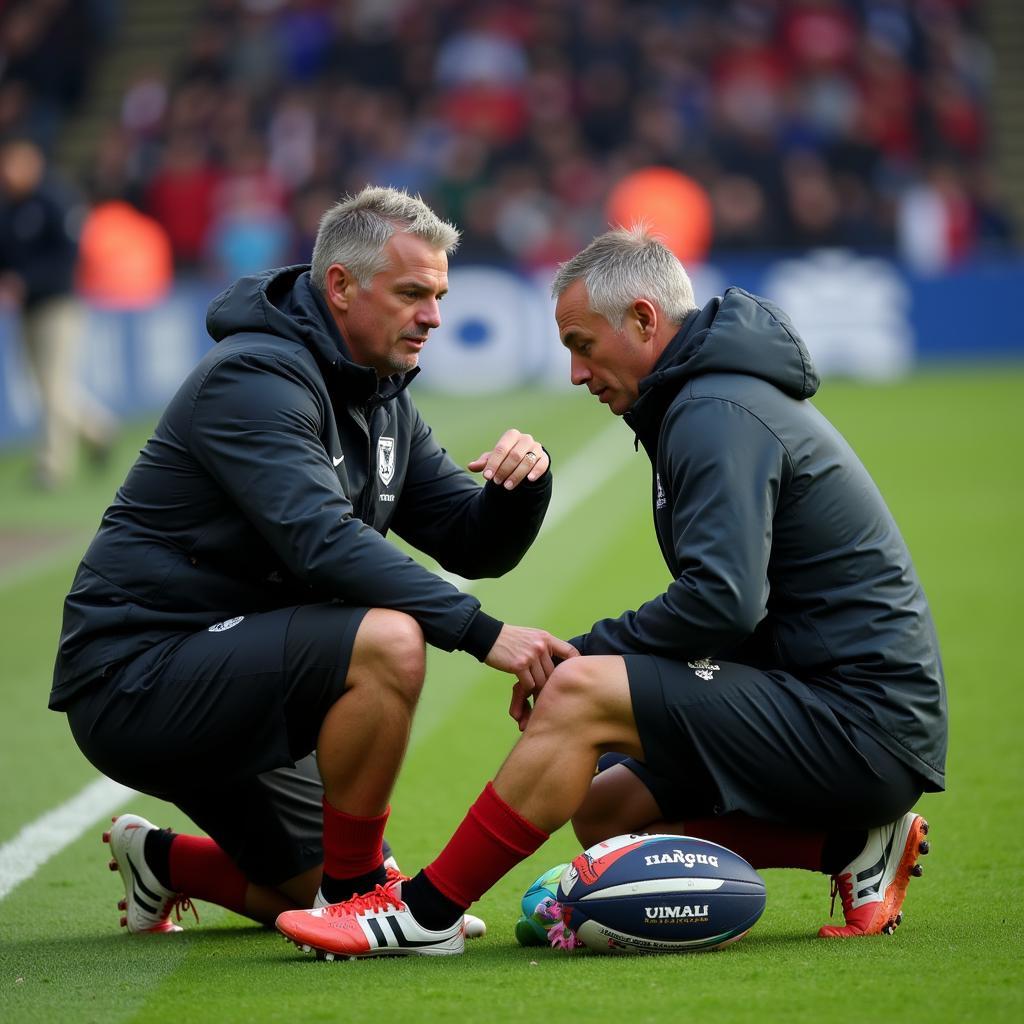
<point x="782" y="552"/>
<point x="272" y="480"/>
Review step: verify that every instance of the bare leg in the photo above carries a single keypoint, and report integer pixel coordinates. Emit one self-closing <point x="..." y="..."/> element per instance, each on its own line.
<point x="583" y="711"/>
<point x="364" y="737"/>
<point x="616" y="804"/>
<point x="361" y="744"/>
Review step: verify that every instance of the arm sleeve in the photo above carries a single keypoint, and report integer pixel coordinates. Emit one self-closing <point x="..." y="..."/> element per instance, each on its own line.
<point x="255" y="429"/>
<point x="472" y="530"/>
<point x="724" y="469"/>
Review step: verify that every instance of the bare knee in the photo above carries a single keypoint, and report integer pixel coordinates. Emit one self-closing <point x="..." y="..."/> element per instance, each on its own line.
<point x="564" y="698"/>
<point x="389" y="650"/>
<point x="587" y="701"/>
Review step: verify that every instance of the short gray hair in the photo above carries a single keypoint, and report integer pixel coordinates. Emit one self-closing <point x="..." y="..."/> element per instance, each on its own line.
<point x="354" y="231"/>
<point x="626" y="264"/>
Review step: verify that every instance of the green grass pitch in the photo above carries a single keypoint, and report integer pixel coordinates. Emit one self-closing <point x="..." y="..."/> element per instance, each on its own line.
<point x="946" y="449"/>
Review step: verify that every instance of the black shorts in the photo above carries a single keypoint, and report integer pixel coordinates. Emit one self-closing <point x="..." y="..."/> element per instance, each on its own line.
<point x="220" y="723"/>
<point x="734" y="738"/>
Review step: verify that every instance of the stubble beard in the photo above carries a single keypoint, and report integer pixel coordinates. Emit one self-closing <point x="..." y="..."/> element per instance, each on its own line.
<point x="401" y="364"/>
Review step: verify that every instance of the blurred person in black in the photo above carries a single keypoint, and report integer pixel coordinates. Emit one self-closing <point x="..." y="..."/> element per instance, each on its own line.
<point x="240" y="606"/>
<point x="38" y="253"/>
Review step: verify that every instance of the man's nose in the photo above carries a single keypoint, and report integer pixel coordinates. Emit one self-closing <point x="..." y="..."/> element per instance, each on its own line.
<point x="578" y="371"/>
<point x="429" y="314"/>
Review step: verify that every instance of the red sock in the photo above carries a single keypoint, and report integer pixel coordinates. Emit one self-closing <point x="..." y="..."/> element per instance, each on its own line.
<point x="353" y="846"/>
<point x="765" y="844"/>
<point x="201" y="870"/>
<point x="492" y="839"/>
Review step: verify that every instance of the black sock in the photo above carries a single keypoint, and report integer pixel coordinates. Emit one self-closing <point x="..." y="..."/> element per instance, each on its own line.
<point x="157" y="851"/>
<point x="337" y="890"/>
<point x="840" y="848"/>
<point x="429" y="905"/>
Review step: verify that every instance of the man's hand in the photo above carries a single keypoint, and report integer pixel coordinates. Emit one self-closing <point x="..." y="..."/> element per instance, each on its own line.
<point x="516" y="457"/>
<point x="528" y="655"/>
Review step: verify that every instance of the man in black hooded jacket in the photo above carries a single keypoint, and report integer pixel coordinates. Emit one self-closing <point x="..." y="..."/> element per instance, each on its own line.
<point x="240" y="605"/>
<point x="783" y="696"/>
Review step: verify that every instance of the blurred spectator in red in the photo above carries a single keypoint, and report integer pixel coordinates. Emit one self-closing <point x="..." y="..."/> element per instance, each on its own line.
<point x="937" y="225"/>
<point x="818" y="36"/>
<point x="250" y="230"/>
<point x="180" y="196"/>
<point x="481" y="70"/>
<point x="890" y="96"/>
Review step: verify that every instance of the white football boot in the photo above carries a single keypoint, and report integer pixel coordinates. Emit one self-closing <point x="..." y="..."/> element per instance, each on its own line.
<point x="147" y="902"/>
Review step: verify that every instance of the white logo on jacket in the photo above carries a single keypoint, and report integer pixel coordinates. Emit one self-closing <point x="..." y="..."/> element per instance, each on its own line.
<point x="661" y="501"/>
<point x="704" y="669"/>
<point x="226" y="624"/>
<point x="386" y="459"/>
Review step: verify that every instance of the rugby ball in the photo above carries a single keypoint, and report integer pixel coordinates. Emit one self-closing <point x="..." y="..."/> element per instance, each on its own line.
<point x="659" y="894"/>
<point x="532" y="927"/>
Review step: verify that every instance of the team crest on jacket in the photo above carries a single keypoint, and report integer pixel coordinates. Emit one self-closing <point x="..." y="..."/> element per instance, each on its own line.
<point x="386" y="459"/>
<point x="704" y="669"/>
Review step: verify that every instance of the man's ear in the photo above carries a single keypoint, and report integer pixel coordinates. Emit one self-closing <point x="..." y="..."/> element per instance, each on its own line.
<point x="341" y="287"/>
<point x="645" y="315"/>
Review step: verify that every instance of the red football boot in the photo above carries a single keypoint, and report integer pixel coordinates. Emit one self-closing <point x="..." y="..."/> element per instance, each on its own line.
<point x="374" y="924"/>
<point x="873" y="885"/>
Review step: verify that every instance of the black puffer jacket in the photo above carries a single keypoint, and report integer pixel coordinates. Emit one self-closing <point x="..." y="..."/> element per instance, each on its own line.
<point x="271" y="480"/>
<point x="782" y="552"/>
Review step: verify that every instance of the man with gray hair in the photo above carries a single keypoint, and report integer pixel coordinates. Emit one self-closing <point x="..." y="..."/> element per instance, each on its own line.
<point x="240" y="607"/>
<point x="783" y="696"/>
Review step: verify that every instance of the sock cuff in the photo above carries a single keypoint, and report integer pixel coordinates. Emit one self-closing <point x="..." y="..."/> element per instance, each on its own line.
<point x="491" y="840"/>
<point x="501" y="819"/>
<point x="330" y="811"/>
<point x="352" y="844"/>
<point x="200" y="869"/>
<point x="447" y="891"/>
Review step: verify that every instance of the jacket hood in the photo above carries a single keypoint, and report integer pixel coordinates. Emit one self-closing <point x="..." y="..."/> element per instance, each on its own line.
<point x="737" y="333"/>
<point x="283" y="303"/>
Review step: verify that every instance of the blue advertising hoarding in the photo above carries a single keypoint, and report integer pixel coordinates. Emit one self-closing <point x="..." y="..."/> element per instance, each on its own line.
<point x="861" y="316"/>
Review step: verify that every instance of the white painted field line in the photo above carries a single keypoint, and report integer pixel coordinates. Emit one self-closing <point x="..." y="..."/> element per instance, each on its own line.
<point x="585" y="473"/>
<point x="45" y="837"/>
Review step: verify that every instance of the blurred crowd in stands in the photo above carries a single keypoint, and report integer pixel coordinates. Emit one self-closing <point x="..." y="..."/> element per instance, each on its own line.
<point x="859" y="123"/>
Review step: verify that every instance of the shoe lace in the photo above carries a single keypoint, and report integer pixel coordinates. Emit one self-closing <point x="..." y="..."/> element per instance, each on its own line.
<point x="381" y="898"/>
<point x="180" y="904"/>
<point x="842" y="886"/>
